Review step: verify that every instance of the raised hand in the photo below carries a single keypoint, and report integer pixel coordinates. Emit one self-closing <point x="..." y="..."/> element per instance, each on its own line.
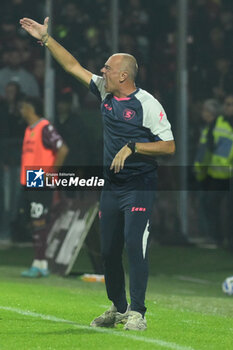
<point x="35" y="29"/>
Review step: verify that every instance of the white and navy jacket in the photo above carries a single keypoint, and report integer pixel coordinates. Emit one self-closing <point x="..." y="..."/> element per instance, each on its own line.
<point x="138" y="117"/>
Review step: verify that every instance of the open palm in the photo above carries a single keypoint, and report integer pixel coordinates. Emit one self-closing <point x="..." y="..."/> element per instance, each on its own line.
<point x="33" y="28"/>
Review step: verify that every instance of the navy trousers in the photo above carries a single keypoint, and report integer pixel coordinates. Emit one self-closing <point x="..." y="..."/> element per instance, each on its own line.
<point x="125" y="211"/>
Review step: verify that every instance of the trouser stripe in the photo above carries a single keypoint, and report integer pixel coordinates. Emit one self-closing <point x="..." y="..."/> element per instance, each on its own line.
<point x="145" y="239"/>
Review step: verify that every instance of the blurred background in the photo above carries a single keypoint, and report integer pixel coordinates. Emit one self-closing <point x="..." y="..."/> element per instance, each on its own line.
<point x="184" y="51"/>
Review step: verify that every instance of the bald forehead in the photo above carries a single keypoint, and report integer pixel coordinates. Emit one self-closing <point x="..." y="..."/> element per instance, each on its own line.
<point x="114" y="60"/>
<point x="124" y="61"/>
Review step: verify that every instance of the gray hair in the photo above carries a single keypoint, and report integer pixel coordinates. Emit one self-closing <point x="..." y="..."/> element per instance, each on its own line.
<point x="213" y="106"/>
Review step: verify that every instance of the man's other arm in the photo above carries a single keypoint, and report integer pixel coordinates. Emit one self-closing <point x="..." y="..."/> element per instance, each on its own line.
<point x="158" y="148"/>
<point x="60" y="157"/>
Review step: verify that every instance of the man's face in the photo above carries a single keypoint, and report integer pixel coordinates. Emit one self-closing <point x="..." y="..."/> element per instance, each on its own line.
<point x="25" y="110"/>
<point x="11" y="92"/>
<point x="207" y="116"/>
<point x="111" y="73"/>
<point x="228" y="107"/>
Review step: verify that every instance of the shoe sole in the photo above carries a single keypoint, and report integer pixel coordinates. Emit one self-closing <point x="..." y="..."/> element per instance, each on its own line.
<point x="38" y="276"/>
<point x="104" y="326"/>
<point x="135" y="329"/>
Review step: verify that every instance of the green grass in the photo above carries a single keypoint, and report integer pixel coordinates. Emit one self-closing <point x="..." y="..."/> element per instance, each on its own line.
<point x="186" y="307"/>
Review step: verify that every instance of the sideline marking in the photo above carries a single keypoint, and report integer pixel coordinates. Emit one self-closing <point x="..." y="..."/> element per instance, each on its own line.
<point x="191" y="279"/>
<point x="166" y="344"/>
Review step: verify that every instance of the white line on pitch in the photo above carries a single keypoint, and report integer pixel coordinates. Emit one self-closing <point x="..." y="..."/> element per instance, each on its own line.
<point x="162" y="343"/>
<point x="191" y="279"/>
<point x="106" y="306"/>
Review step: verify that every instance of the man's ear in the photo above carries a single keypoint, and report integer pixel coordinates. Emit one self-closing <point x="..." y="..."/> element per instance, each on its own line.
<point x="123" y="76"/>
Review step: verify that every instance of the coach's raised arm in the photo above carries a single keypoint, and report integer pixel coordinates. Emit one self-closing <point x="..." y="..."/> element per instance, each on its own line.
<point x="66" y="60"/>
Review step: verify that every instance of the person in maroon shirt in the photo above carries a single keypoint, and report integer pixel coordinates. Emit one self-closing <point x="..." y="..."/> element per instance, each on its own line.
<point x="39" y="202"/>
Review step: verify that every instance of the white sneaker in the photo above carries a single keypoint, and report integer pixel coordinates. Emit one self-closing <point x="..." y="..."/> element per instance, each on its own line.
<point x="110" y="318"/>
<point x="135" y="322"/>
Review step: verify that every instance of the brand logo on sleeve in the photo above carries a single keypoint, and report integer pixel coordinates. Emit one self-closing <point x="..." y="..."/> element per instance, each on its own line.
<point x="107" y="107"/>
<point x="128" y="114"/>
<point x="161" y="116"/>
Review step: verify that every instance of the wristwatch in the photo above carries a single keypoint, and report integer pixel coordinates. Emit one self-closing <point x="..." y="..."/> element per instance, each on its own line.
<point x="132" y="146"/>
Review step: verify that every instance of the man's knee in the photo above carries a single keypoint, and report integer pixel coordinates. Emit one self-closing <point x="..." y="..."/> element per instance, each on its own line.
<point x="110" y="255"/>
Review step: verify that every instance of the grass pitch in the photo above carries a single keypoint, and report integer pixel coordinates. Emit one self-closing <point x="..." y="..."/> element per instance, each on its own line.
<point x="186" y="307"/>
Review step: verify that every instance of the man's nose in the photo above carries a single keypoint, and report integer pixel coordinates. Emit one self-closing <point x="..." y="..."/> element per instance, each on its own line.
<point x="102" y="70"/>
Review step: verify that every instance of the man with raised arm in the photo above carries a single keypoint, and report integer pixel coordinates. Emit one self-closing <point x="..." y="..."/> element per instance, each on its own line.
<point x="136" y="130"/>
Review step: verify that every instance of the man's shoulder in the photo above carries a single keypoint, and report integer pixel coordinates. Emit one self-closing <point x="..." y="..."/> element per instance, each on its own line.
<point x="146" y="98"/>
<point x="223" y="122"/>
<point x="97" y="87"/>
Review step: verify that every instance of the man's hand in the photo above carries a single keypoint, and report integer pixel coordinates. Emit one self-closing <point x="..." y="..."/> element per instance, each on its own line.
<point x="119" y="160"/>
<point x="35" y="29"/>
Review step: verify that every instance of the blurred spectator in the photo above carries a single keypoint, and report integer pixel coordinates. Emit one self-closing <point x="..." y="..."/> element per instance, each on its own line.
<point x="11" y="116"/>
<point x="210" y="112"/>
<point x="226" y="21"/>
<point x="14" y="72"/>
<point x="17" y="9"/>
<point x="71" y="21"/>
<point x="87" y="98"/>
<point x="216" y="45"/>
<point x="8" y="33"/>
<point x="221" y="78"/>
<point x="137" y="26"/>
<point x="8" y="28"/>
<point x="12" y="131"/>
<point x="163" y="70"/>
<point x="38" y="71"/>
<point x="44" y="146"/>
<point x="24" y="51"/>
<point x="95" y="45"/>
<point x="12" y="125"/>
<point x="219" y="176"/>
<point x="73" y="131"/>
